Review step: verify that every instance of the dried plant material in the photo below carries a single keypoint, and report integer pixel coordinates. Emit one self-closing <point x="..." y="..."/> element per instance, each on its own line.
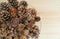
<point x="26" y="32"/>
<point x="5" y="15"/>
<point x="21" y="10"/>
<point x="32" y="12"/>
<point x="14" y="22"/>
<point x="17" y="21"/>
<point x="4" y="6"/>
<point x="23" y="37"/>
<point x="13" y="12"/>
<point x="37" y="19"/>
<point x="20" y="27"/>
<point x="24" y="3"/>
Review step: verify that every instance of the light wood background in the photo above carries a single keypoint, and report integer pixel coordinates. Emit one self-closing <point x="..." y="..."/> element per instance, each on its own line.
<point x="49" y="11"/>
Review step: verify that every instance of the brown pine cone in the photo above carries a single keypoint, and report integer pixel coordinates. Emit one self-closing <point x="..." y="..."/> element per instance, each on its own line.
<point x="32" y="12"/>
<point x="15" y="22"/>
<point x="31" y="23"/>
<point x="37" y="18"/>
<point x="13" y="12"/>
<point x="21" y="9"/>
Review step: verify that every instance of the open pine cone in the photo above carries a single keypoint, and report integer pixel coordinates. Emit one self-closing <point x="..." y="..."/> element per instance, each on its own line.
<point x="17" y="20"/>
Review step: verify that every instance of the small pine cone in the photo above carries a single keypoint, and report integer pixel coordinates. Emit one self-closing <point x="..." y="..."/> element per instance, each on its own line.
<point x="34" y="32"/>
<point x="21" y="9"/>
<point x="4" y="6"/>
<point x="15" y="22"/>
<point x="24" y="3"/>
<point x="13" y="12"/>
<point x="5" y="15"/>
<point x="32" y="12"/>
<point x="37" y="19"/>
<point x="29" y="17"/>
<point x="14" y="4"/>
<point x="35" y="29"/>
<point x="22" y="12"/>
<point x="31" y="23"/>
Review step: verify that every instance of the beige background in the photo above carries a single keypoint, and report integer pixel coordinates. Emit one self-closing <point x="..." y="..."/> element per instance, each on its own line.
<point x="49" y="11"/>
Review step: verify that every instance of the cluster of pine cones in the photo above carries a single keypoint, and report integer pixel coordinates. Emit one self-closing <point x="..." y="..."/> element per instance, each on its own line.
<point x="17" y="20"/>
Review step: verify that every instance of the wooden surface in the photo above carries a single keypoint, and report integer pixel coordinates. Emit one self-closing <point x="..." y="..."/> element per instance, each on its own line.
<point x="49" y="11"/>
